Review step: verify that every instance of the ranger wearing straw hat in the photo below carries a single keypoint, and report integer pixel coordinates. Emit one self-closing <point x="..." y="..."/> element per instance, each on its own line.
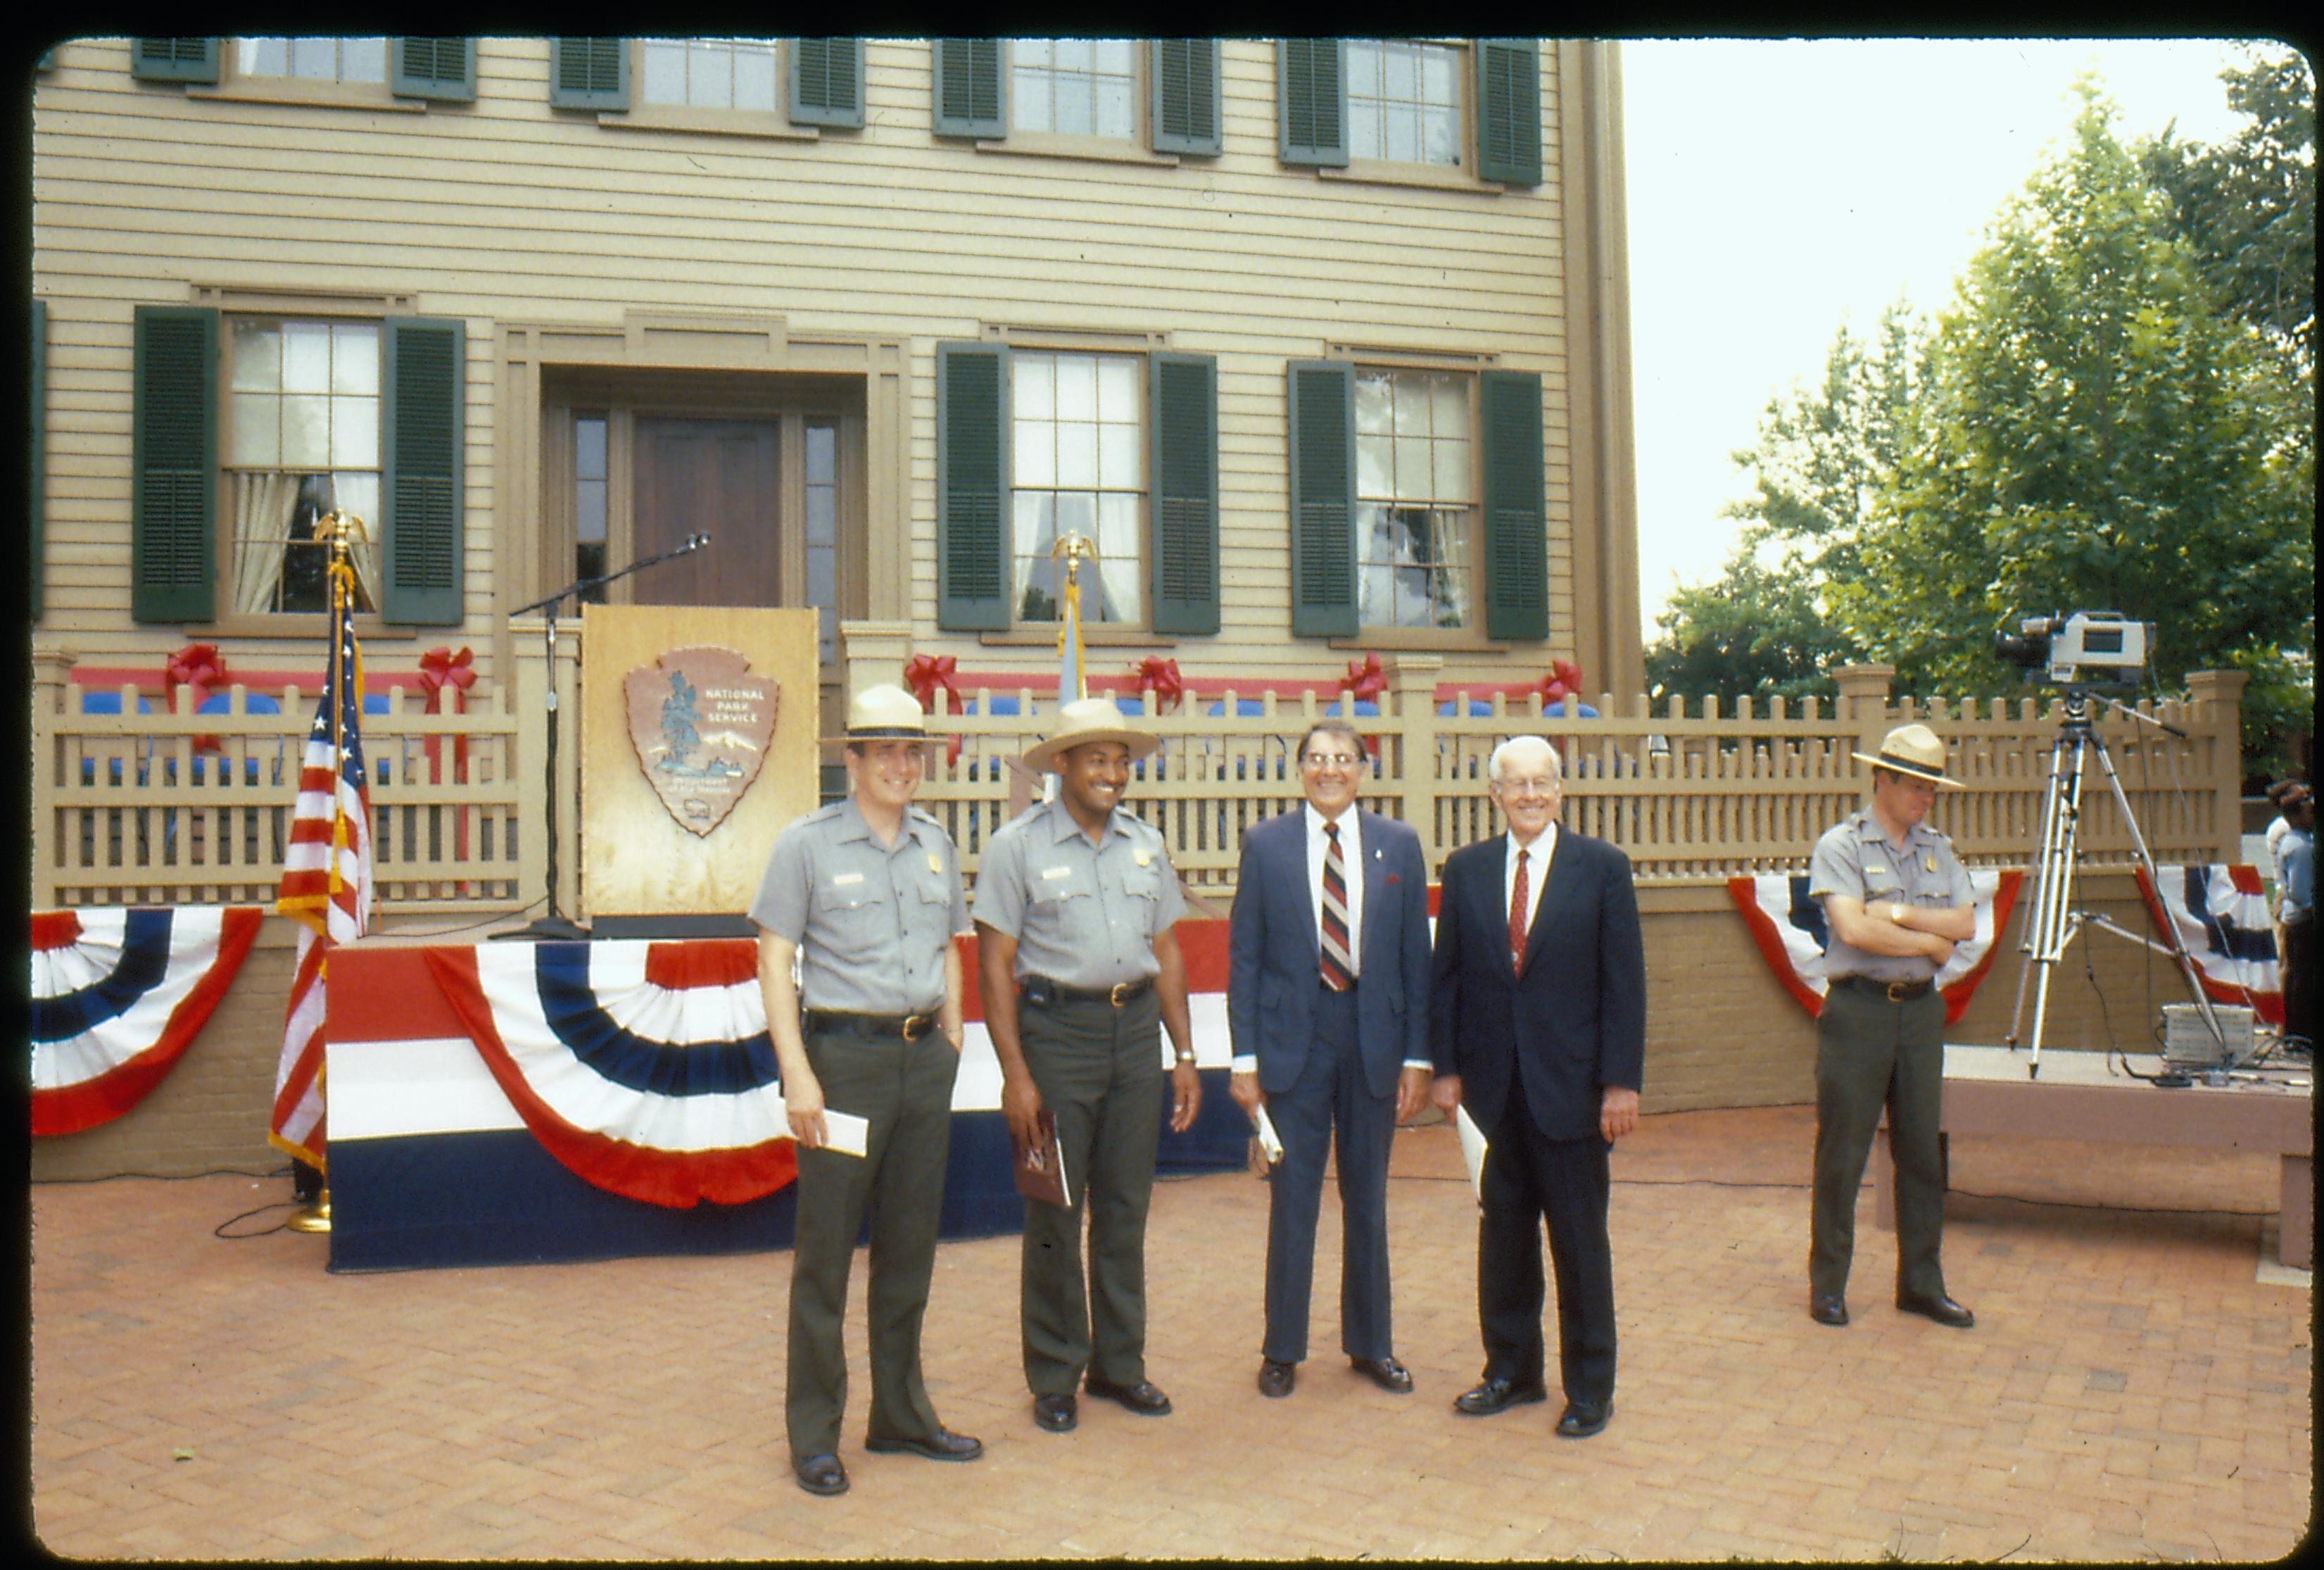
<point x="1079" y="968"/>
<point x="1895" y="902"/>
<point x="867" y="894"/>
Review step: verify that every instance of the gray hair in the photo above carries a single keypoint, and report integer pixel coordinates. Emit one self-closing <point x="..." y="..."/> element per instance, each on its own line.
<point x="1537" y="747"/>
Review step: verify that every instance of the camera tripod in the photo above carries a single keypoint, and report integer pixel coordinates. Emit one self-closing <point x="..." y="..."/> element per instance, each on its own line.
<point x="2051" y="923"/>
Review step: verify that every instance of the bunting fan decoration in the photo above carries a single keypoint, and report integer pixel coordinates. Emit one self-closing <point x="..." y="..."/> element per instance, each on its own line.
<point x="117" y="995"/>
<point x="645" y="1068"/>
<point x="2221" y="916"/>
<point x="1789" y="929"/>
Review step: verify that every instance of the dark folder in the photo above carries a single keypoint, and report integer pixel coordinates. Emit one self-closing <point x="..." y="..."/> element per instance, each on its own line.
<point x="1041" y="1165"/>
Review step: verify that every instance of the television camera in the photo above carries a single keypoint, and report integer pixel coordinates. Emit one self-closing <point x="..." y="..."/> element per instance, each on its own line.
<point x="2086" y="649"/>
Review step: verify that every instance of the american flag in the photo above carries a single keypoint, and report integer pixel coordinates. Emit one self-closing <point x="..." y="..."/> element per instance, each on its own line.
<point x="326" y="876"/>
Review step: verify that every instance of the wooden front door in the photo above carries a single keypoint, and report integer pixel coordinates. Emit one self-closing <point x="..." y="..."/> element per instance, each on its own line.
<point x="719" y="477"/>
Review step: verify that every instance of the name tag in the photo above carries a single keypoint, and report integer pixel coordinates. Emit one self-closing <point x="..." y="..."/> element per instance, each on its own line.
<point x="1056" y="872"/>
<point x="841" y="879"/>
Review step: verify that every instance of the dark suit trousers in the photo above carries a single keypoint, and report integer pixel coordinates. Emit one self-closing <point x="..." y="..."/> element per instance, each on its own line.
<point x="904" y="1089"/>
<point x="1530" y="1178"/>
<point x="1330" y="1100"/>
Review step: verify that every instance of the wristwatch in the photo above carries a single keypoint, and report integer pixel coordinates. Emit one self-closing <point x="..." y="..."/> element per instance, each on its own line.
<point x="1896" y="912"/>
<point x="1185" y="1056"/>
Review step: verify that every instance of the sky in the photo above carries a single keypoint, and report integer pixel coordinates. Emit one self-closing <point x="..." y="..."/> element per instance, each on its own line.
<point x="1778" y="188"/>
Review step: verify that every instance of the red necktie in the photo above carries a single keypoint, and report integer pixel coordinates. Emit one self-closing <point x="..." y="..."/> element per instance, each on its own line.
<point x="1337" y="970"/>
<point x="1518" y="912"/>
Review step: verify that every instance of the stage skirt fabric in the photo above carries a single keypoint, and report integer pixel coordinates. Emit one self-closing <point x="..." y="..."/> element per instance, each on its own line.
<point x="531" y="1102"/>
<point x="1789" y="928"/>
<point x="118" y="996"/>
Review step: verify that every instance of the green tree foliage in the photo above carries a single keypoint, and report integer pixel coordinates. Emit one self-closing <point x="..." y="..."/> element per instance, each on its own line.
<point x="2096" y="432"/>
<point x="1823" y="458"/>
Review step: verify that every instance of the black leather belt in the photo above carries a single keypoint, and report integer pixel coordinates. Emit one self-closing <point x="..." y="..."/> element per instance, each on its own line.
<point x="1117" y="995"/>
<point x="1896" y="992"/>
<point x="829" y="1022"/>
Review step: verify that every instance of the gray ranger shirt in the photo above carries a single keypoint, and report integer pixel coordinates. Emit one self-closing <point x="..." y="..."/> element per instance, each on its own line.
<point x="872" y="921"/>
<point x="1084" y="915"/>
<point x="1854" y="859"/>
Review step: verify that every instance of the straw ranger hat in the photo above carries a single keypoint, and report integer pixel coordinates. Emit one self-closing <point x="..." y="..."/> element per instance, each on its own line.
<point x="1911" y="750"/>
<point x="883" y="713"/>
<point x="1082" y="722"/>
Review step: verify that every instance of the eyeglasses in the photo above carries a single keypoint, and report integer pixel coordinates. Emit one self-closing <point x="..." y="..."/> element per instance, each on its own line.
<point x="1330" y="759"/>
<point x="1522" y="788"/>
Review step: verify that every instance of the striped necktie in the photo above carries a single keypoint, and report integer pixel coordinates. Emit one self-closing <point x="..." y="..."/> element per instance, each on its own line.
<point x="1337" y="969"/>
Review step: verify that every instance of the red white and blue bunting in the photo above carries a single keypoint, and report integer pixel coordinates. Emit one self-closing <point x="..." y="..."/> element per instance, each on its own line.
<point x="645" y="1068"/>
<point x="1789" y="928"/>
<point x="118" y="996"/>
<point x="2221" y="916"/>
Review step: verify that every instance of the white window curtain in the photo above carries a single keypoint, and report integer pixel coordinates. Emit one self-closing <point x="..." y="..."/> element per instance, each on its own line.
<point x="1450" y="552"/>
<point x="363" y="555"/>
<point x="264" y="505"/>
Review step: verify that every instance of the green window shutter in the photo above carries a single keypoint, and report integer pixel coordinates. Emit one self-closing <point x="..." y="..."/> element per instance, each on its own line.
<point x="38" y="500"/>
<point x="1184" y="91"/>
<point x="589" y="73"/>
<point x="174" y="59"/>
<point x="1516" y="542"/>
<point x="173" y="463"/>
<point x="443" y="69"/>
<point x="970" y="93"/>
<point x="972" y="487"/>
<point x="1184" y="393"/>
<point x="1508" y="110"/>
<point x="422" y="364"/>
<point x="1323" y="394"/>
<point x="827" y="81"/>
<point x="1311" y="100"/>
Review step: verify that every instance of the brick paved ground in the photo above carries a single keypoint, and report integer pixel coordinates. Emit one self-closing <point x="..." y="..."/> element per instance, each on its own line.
<point x="2131" y="1391"/>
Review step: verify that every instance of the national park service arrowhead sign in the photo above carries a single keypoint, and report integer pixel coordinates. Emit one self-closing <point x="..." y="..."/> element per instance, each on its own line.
<point x="700" y="723"/>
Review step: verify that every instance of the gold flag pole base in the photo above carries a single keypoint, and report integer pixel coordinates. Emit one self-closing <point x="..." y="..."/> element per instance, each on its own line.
<point x="316" y="1217"/>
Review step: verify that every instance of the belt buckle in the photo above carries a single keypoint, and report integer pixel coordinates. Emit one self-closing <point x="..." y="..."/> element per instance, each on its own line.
<point x="926" y="1023"/>
<point x="1117" y="995"/>
<point x="1896" y="990"/>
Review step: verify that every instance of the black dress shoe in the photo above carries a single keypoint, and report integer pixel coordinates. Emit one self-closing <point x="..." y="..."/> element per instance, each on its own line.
<point x="1143" y="1398"/>
<point x="1828" y="1309"/>
<point x="1385" y="1373"/>
<point x="1276" y="1379"/>
<point x="1941" y="1309"/>
<point x="820" y="1474"/>
<point x="1055" y="1413"/>
<point x="1495" y="1395"/>
<point x="1582" y="1419"/>
<point x="946" y="1446"/>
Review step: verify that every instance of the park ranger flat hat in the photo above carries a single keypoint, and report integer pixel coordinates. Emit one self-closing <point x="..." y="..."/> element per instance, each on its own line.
<point x="1082" y="722"/>
<point x="881" y="712"/>
<point x="1911" y="750"/>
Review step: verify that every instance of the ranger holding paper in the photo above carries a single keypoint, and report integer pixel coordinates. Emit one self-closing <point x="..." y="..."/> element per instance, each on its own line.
<point x="866" y="892"/>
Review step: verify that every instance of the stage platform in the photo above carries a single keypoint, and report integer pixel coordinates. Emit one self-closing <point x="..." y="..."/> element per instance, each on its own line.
<point x="2078" y="1096"/>
<point x="433" y="1163"/>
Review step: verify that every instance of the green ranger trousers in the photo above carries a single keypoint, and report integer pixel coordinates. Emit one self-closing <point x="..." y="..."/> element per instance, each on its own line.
<point x="1099" y="1070"/>
<point x="904" y="1089"/>
<point x="1871" y="1053"/>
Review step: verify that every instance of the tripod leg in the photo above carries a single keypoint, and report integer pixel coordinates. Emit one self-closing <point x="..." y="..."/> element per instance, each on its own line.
<point x="2187" y="967"/>
<point x="2034" y="936"/>
<point x="2058" y="922"/>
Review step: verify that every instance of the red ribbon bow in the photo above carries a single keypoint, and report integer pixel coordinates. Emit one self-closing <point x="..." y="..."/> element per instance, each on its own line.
<point x="1161" y="678"/>
<point x="924" y="673"/>
<point x="439" y="669"/>
<point x="199" y="666"/>
<point x="1562" y="681"/>
<point x="1365" y="678"/>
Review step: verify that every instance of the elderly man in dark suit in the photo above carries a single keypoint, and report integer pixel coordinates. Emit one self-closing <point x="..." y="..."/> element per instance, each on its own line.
<point x="1538" y="1024"/>
<point x="1328" y="970"/>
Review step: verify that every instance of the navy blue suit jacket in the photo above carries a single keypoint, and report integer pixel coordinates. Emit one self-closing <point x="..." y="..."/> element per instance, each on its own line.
<point x="1574" y="1019"/>
<point x="1272" y="949"/>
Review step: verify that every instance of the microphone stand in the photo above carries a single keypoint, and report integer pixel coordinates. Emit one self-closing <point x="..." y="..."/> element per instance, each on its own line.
<point x="554" y="927"/>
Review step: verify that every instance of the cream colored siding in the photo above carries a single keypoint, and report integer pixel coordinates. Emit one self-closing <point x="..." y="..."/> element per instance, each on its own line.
<point x="509" y="211"/>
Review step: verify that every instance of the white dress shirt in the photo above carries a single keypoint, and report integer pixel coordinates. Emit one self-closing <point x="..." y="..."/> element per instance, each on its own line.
<point x="1537" y="856"/>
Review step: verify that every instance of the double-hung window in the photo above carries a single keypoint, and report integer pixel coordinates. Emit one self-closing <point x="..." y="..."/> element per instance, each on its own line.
<point x="748" y="86"/>
<point x="1124" y="98"/>
<point x="709" y="73"/>
<point x="1074" y="86"/>
<point x="1404" y="101"/>
<point x="398" y="73"/>
<point x="312" y="60"/>
<point x="1410" y="110"/>
<point x="1039" y="443"/>
<point x="248" y="425"/>
<point x="1418" y="501"/>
